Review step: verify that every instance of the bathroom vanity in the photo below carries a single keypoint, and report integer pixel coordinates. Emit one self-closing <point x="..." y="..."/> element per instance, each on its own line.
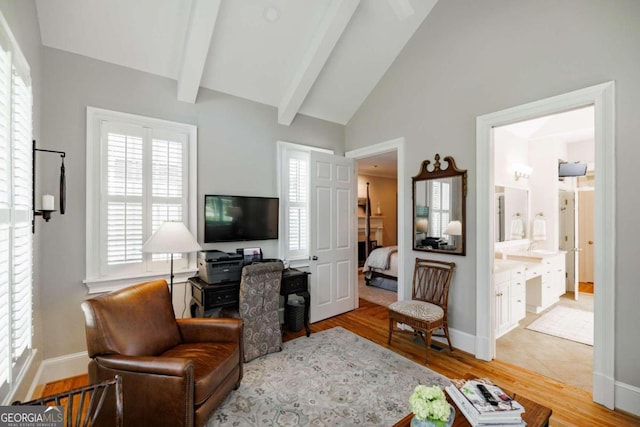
<point x="526" y="281"/>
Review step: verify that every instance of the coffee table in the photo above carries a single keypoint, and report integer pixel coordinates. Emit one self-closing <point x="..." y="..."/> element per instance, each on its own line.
<point x="535" y="414"/>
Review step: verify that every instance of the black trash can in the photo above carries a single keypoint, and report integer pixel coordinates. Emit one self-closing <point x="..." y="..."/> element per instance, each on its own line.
<point x="295" y="315"/>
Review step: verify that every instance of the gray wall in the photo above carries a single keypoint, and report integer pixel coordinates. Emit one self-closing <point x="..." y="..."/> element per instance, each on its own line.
<point x="472" y="58"/>
<point x="236" y="154"/>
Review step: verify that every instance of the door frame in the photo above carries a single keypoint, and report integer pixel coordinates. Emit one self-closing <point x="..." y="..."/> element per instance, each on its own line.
<point x="398" y="145"/>
<point x="571" y="282"/>
<point x="602" y="97"/>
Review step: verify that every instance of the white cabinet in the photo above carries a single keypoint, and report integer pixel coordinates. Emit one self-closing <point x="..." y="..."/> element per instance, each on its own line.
<point x="509" y="285"/>
<point x="545" y="282"/>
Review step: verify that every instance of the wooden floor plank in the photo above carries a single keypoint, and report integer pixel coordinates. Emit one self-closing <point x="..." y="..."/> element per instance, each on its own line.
<point x="571" y="406"/>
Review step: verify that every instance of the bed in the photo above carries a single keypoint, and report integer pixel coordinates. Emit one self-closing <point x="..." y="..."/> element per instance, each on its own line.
<point x="381" y="268"/>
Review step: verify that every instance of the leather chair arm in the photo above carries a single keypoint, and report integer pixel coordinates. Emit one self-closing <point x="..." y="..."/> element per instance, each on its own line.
<point x="210" y="329"/>
<point x="166" y="366"/>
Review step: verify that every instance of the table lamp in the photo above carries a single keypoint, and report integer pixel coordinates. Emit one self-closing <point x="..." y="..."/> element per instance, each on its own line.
<point x="172" y="237"/>
<point x="454" y="228"/>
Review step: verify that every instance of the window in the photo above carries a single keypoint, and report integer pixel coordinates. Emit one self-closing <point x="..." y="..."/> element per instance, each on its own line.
<point x="142" y="174"/>
<point x="440" y="205"/>
<point x="294" y="199"/>
<point x="15" y="213"/>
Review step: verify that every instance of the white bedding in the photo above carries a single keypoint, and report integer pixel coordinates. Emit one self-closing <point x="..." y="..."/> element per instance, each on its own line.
<point x="390" y="255"/>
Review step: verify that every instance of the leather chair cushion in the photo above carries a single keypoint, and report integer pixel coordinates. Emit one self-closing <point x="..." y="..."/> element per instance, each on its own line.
<point x="136" y="321"/>
<point x="212" y="363"/>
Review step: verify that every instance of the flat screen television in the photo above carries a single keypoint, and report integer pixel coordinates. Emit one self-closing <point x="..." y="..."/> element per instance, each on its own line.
<point x="572" y="169"/>
<point x="240" y="218"/>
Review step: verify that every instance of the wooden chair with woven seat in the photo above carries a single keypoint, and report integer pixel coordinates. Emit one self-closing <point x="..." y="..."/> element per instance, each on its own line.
<point x="426" y="311"/>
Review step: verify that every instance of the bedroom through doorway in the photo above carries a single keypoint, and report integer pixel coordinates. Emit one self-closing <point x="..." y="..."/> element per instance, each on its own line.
<point x="378" y="212"/>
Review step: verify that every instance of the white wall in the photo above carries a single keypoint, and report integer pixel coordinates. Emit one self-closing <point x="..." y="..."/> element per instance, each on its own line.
<point x="236" y="155"/>
<point x="473" y="58"/>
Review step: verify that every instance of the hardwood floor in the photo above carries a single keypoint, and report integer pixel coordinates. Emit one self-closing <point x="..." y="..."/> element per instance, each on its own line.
<point x="571" y="406"/>
<point x="585" y="287"/>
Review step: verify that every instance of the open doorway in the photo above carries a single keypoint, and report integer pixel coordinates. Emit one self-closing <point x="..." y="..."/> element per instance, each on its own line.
<point x="382" y="166"/>
<point x="540" y="237"/>
<point x="602" y="97"/>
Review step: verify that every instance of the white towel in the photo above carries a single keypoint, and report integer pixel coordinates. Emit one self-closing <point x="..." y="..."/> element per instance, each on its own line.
<point x="539" y="229"/>
<point x="517" y="229"/>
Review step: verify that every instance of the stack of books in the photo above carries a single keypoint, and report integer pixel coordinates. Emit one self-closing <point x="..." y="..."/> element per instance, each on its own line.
<point x="494" y="409"/>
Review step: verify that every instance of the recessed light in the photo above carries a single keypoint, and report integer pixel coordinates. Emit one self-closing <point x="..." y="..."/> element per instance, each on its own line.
<point x="271" y="13"/>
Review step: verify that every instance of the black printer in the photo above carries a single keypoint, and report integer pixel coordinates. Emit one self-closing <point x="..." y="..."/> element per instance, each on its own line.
<point x="216" y="267"/>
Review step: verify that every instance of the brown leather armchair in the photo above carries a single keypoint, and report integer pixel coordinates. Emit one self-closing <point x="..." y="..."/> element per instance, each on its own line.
<point x="174" y="372"/>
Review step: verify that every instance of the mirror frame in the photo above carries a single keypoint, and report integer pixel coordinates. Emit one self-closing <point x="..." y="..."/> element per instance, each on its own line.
<point x="436" y="173"/>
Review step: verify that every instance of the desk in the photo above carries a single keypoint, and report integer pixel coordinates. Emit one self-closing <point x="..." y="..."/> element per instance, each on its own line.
<point x="296" y="282"/>
<point x="535" y="414"/>
<point x="205" y="296"/>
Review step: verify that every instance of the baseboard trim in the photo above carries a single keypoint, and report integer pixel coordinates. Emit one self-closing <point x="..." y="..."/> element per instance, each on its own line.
<point x="627" y="398"/>
<point x="460" y="340"/>
<point x="57" y="368"/>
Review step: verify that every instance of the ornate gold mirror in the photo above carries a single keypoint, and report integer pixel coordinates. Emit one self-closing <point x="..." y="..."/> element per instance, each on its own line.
<point x="439" y="208"/>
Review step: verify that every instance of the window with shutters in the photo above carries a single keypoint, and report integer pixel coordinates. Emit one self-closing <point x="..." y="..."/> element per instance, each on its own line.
<point x="294" y="199"/>
<point x="143" y="173"/>
<point x="15" y="213"/>
<point x="440" y="205"/>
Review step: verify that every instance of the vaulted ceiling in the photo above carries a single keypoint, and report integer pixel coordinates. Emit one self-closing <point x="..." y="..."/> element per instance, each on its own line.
<point x="320" y="58"/>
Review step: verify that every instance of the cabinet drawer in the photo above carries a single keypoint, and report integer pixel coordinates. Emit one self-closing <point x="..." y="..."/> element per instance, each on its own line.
<point x="219" y="298"/>
<point x="294" y="284"/>
<point x="534" y="270"/>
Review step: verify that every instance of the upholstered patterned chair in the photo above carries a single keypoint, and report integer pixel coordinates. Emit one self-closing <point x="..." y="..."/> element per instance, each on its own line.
<point x="426" y="311"/>
<point x="259" y="302"/>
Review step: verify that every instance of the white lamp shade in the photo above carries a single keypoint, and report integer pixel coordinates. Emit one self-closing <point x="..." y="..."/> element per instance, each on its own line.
<point x="454" y="228"/>
<point x="172" y="237"/>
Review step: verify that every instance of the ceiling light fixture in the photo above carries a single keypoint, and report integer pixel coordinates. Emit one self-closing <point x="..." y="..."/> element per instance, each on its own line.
<point x="271" y="14"/>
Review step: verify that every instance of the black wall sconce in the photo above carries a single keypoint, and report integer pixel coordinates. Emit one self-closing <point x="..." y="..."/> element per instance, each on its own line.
<point x="48" y="207"/>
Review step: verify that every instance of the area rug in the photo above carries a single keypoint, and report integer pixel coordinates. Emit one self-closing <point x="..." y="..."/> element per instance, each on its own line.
<point x="375" y="295"/>
<point x="333" y="377"/>
<point x="566" y="322"/>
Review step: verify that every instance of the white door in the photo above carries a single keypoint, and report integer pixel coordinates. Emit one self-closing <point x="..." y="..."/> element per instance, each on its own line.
<point x="568" y="226"/>
<point x="332" y="242"/>
<point x="586" y="230"/>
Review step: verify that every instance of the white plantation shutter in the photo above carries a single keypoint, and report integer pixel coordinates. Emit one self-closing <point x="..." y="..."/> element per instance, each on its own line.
<point x="144" y="181"/>
<point x="168" y="183"/>
<point x="294" y="199"/>
<point x="440" y="206"/>
<point x="297" y="205"/>
<point x="15" y="212"/>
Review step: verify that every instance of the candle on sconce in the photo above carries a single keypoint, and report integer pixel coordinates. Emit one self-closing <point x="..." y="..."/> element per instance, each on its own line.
<point x="47" y="202"/>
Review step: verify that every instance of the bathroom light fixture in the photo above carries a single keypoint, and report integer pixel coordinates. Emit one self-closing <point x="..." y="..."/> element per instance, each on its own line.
<point x="522" y="171"/>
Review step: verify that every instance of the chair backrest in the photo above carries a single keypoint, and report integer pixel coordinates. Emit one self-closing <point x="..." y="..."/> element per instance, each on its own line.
<point x="82" y="406"/>
<point x="260" y="288"/>
<point x="431" y="280"/>
<point x="134" y="321"/>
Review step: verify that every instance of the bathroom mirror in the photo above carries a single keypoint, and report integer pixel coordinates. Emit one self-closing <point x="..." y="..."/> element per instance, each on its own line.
<point x="511" y="214"/>
<point x="439" y="208"/>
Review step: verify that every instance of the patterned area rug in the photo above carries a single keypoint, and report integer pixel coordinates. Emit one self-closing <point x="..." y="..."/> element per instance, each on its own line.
<point x="565" y="322"/>
<point x="334" y="377"/>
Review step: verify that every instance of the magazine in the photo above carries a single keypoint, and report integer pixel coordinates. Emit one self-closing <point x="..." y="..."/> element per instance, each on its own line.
<point x="478" y="410"/>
